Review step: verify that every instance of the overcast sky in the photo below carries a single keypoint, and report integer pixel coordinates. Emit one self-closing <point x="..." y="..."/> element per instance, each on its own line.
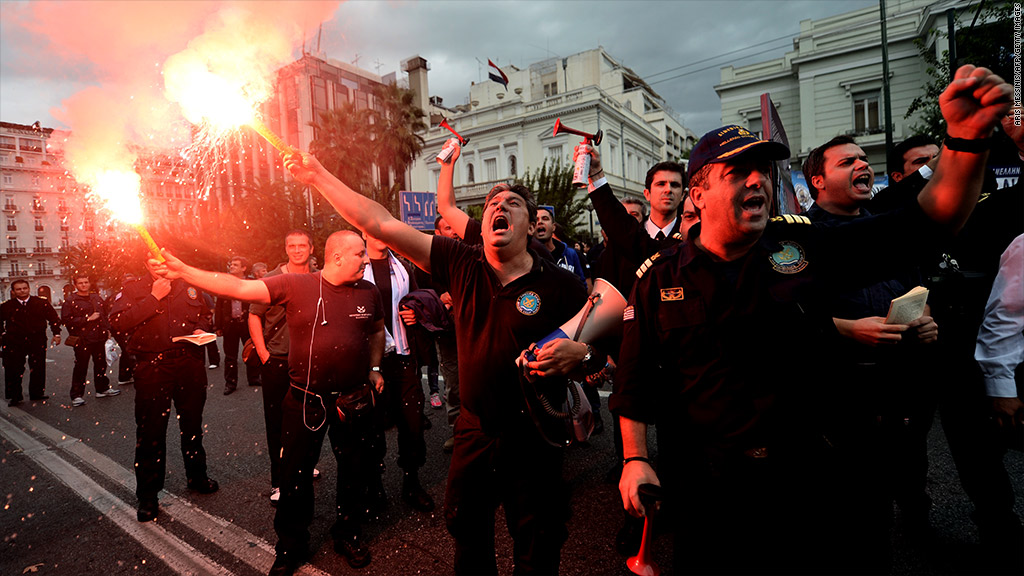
<point x="677" y="46"/>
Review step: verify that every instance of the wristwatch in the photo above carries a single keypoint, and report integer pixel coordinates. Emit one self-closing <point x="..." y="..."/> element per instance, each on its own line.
<point x="375" y="369"/>
<point x="589" y="355"/>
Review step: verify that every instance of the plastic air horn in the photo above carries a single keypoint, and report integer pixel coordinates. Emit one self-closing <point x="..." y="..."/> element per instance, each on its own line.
<point x="582" y="171"/>
<point x="449" y="149"/>
<point x="643" y="563"/>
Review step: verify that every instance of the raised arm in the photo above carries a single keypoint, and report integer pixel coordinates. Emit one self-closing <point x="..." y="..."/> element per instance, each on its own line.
<point x="973" y="104"/>
<point x="446" y="206"/>
<point x="219" y="283"/>
<point x="365" y="214"/>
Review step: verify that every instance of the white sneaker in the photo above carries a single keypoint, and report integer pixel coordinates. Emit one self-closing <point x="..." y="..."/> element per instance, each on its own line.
<point x="78" y="401"/>
<point x="316" y="473"/>
<point x="212" y="366"/>
<point x="108" y="393"/>
<point x="275" y="495"/>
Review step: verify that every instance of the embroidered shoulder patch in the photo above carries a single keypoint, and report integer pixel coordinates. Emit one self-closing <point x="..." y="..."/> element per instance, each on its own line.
<point x="790" y="260"/>
<point x="192" y="293"/>
<point x="528" y="303"/>
<point x="628" y="314"/>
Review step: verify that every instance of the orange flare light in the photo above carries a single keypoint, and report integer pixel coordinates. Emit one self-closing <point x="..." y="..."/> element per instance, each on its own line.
<point x="119" y="192"/>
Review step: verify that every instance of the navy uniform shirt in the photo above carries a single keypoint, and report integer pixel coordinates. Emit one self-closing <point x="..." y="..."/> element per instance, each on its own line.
<point x="719" y="353"/>
<point x="152" y="323"/>
<point x="495" y="323"/>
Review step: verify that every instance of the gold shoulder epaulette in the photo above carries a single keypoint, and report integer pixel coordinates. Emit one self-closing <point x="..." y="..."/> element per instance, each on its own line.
<point x="647" y="264"/>
<point x="792" y="219"/>
<point x="678" y="236"/>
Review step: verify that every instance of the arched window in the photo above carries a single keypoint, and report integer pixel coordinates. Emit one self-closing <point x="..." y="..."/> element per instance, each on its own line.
<point x="470" y="175"/>
<point x="512" y="168"/>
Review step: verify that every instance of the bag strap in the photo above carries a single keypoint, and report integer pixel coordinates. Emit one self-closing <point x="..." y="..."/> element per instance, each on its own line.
<point x="591" y="300"/>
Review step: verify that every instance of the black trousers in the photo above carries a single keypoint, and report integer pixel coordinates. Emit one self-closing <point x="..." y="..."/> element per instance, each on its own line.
<point x="235" y="333"/>
<point x="276" y="383"/>
<point x="519" y="471"/>
<point x="83" y="353"/>
<point x="16" y="350"/>
<point x="402" y="399"/>
<point x="301" y="445"/>
<point x="126" y="364"/>
<point x="160" y="382"/>
<point x="448" y="363"/>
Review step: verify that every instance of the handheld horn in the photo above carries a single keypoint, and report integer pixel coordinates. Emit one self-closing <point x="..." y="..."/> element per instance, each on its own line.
<point x="446" y="153"/>
<point x="587" y="138"/>
<point x="582" y="171"/>
<point x="643" y="563"/>
<point x="444" y="124"/>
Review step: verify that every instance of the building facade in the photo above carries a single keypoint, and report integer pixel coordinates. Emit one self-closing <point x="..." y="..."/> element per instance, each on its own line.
<point x="511" y="131"/>
<point x="831" y="82"/>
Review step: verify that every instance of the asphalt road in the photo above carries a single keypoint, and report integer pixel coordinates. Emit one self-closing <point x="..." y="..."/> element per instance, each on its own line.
<point x="69" y="504"/>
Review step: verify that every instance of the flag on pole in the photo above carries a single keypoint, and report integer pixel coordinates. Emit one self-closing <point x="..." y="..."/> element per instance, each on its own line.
<point x="497" y="75"/>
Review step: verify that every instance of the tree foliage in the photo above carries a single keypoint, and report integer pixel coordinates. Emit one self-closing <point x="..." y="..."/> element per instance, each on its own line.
<point x="552" y="186"/>
<point x="350" y="142"/>
<point x="985" y="41"/>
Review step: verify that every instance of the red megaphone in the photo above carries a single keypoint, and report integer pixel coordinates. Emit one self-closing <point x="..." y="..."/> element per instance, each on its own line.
<point x="643" y="563"/>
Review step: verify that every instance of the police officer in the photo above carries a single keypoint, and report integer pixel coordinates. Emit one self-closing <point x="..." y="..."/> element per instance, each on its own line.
<point x="153" y="310"/>
<point x="711" y="327"/>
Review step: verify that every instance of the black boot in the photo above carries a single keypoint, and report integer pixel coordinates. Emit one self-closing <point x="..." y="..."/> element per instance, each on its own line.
<point x="414" y="494"/>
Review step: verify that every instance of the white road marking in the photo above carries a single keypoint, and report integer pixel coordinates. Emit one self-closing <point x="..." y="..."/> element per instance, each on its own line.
<point x="247" y="547"/>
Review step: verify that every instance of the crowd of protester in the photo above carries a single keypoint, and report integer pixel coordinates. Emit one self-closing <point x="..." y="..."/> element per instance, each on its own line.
<point x="799" y="470"/>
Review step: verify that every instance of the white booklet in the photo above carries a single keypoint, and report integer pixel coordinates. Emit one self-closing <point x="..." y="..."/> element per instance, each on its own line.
<point x="197" y="339"/>
<point x="908" y="307"/>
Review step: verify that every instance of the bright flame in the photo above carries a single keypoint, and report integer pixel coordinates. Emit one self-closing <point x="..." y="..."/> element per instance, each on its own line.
<point x="208" y="97"/>
<point x="119" y="191"/>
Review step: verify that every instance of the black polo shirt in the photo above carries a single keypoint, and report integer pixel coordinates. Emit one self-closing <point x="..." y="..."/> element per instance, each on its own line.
<point x="495" y="323"/>
<point x="720" y="354"/>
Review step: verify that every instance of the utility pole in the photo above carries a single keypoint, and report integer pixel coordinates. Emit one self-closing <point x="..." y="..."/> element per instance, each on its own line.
<point x="885" y="86"/>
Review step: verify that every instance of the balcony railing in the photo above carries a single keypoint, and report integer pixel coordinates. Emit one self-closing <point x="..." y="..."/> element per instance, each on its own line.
<point x="45" y="272"/>
<point x="18" y="273"/>
<point x="16" y="250"/>
<point x="10" y="207"/>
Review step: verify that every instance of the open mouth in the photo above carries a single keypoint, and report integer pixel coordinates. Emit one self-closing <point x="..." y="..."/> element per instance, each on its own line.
<point x="499" y="223"/>
<point x="754" y="203"/>
<point x="863" y="182"/>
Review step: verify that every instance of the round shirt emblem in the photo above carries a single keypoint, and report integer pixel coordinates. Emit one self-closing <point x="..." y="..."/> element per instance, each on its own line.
<point x="528" y="303"/>
<point x="790" y="260"/>
<point x="192" y="293"/>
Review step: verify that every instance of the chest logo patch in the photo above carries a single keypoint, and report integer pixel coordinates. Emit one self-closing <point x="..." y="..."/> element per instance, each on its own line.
<point x="671" y="294"/>
<point x="192" y="293"/>
<point x="361" y="309"/>
<point x="528" y="303"/>
<point x="790" y="260"/>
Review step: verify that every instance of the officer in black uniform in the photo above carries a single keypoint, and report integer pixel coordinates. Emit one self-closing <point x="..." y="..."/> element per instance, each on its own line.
<point x="153" y="310"/>
<point x="716" y="328"/>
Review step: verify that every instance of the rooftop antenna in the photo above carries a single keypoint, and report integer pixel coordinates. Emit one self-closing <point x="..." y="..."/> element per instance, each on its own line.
<point x="318" y="34"/>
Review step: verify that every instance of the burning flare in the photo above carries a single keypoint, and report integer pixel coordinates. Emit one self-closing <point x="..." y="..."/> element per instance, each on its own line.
<point x="119" y="192"/>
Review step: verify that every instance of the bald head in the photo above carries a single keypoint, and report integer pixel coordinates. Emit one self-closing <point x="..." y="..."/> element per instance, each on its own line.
<point x="344" y="257"/>
<point x="340" y="241"/>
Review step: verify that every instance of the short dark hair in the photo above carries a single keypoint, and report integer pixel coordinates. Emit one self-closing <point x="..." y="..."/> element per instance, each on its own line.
<point x="700" y="177"/>
<point x="895" y="157"/>
<point x="242" y="260"/>
<point x="77" y="275"/>
<point x="531" y="203"/>
<point x="814" y="165"/>
<point x="16" y="282"/>
<point x="664" y="167"/>
<point x="437" y="221"/>
<point x="300" y="232"/>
